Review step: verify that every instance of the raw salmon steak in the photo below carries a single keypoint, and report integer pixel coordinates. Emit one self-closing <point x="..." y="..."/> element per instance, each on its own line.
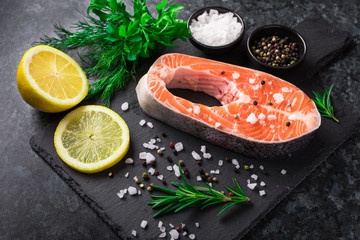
<point x="261" y="115"/>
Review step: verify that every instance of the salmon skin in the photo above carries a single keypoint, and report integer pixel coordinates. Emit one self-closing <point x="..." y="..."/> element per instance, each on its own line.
<point x="261" y="116"/>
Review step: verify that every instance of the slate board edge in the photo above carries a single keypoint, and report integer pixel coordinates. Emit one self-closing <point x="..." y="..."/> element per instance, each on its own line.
<point x="117" y="229"/>
<point x="76" y="187"/>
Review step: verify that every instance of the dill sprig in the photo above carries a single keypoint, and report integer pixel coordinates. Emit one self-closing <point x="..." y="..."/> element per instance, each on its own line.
<point x="200" y="196"/>
<point x="323" y="103"/>
<point x="115" y="40"/>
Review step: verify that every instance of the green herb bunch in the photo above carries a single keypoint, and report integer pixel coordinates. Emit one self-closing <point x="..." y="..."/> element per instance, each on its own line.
<point x="323" y="103"/>
<point x="115" y="40"/>
<point x="200" y="196"/>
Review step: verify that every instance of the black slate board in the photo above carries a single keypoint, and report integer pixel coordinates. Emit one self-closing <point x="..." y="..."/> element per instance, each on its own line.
<point x="123" y="215"/>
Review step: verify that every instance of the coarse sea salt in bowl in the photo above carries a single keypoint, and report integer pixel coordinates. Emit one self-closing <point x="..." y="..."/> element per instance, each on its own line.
<point x="215" y="29"/>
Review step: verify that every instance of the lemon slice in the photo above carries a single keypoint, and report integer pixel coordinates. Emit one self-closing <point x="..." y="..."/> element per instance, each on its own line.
<point x="49" y="80"/>
<point x="92" y="138"/>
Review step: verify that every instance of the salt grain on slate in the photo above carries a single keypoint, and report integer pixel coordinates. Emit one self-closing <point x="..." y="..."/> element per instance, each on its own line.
<point x="217" y="171"/>
<point x="162" y="229"/>
<point x="198" y="178"/>
<point x="150" y="125"/>
<point x="179" y="146"/>
<point x="234" y="162"/>
<point x="151" y="171"/>
<point x="142" y="155"/>
<point x="120" y="194"/>
<point x="262" y="192"/>
<point x="261" y="167"/>
<point x="162" y="235"/>
<point x="184" y="233"/>
<point x="174" y="234"/>
<point x="133" y="232"/>
<point x="125" y="106"/>
<point x="127" y="174"/>
<point x="254" y="176"/>
<point x="192" y="236"/>
<point x="251" y="166"/>
<point x="195" y="155"/>
<point x="169" y="168"/>
<point x="132" y="190"/>
<point x="143" y="224"/>
<point x="262" y="184"/>
<point x="283" y="172"/>
<point x="142" y="122"/>
<point x="176" y="170"/>
<point x="251" y="185"/>
<point x="172" y="226"/>
<point x="197" y="224"/>
<point x="149" y="157"/>
<point x="203" y="149"/>
<point x="129" y="161"/>
<point x="160" y="224"/>
<point x="207" y="155"/>
<point x="221" y="162"/>
<point x="160" y="177"/>
<point x="139" y="192"/>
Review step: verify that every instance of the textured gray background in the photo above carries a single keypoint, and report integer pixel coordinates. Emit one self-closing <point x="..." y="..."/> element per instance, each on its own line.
<point x="36" y="204"/>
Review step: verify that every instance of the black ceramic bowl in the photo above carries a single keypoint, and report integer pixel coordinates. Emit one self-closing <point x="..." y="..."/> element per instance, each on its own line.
<point x="281" y="31"/>
<point x="216" y="49"/>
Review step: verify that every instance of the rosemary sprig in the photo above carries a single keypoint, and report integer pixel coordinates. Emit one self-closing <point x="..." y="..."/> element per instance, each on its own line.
<point x="115" y="40"/>
<point x="323" y="103"/>
<point x="200" y="196"/>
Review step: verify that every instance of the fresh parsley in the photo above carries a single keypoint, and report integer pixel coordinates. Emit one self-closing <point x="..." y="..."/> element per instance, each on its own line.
<point x="114" y="40"/>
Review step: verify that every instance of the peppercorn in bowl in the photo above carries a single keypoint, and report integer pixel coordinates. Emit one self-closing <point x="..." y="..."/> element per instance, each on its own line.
<point x="276" y="47"/>
<point x="215" y="29"/>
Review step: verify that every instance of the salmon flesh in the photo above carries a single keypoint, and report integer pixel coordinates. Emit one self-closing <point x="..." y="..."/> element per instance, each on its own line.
<point x="261" y="115"/>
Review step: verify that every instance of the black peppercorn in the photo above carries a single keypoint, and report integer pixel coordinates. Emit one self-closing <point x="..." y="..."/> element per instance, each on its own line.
<point x="143" y="163"/>
<point x="288" y="124"/>
<point x="262" y="82"/>
<point x="153" y="163"/>
<point x="255" y="103"/>
<point x="164" y="134"/>
<point x="201" y="171"/>
<point x="169" y="158"/>
<point x="199" y="162"/>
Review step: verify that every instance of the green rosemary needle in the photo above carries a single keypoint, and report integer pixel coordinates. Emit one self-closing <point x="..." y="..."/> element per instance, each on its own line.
<point x="323" y="103"/>
<point x="199" y="196"/>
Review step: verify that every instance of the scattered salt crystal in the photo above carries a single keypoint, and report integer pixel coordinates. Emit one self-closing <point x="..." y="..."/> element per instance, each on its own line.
<point x="203" y="149"/>
<point x="251" y="185"/>
<point x="162" y="148"/>
<point x="149" y="157"/>
<point x="254" y="176"/>
<point x="162" y="235"/>
<point x="139" y="192"/>
<point x="162" y="229"/>
<point x="129" y="161"/>
<point x="160" y="177"/>
<point x="251" y="80"/>
<point x="143" y="224"/>
<point x="142" y="155"/>
<point x="184" y="233"/>
<point x="285" y="89"/>
<point x="133" y="232"/>
<point x="198" y="178"/>
<point x="292" y="116"/>
<point x="172" y="226"/>
<point x="127" y="174"/>
<point x="261" y="167"/>
<point x="207" y="155"/>
<point x="271" y="117"/>
<point x="158" y="140"/>
<point x="152" y="140"/>
<point x="176" y="170"/>
<point x="151" y="171"/>
<point x="174" y="234"/>
<point x="217" y="171"/>
<point x="235" y="75"/>
<point x="170" y="168"/>
<point x="278" y="98"/>
<point x="234" y="162"/>
<point x="248" y="181"/>
<point x="142" y="122"/>
<point x="237" y="166"/>
<point x="220" y="163"/>
<point x="262" y="184"/>
<point x="132" y="190"/>
<point x="196" y="109"/>
<point x="261" y="116"/>
<point x="179" y="146"/>
<point x="215" y="29"/>
<point x="125" y="106"/>
<point x="217" y="125"/>
<point x="160" y="224"/>
<point x="210" y="184"/>
<point x="251" y="166"/>
<point x="150" y="125"/>
<point x="283" y="172"/>
<point x="251" y="118"/>
<point x="192" y="236"/>
<point x="135" y="177"/>
<point x="195" y="155"/>
<point x="189" y="110"/>
<point x="121" y="194"/>
<point x="125" y="190"/>
<point x="197" y="224"/>
<point x="212" y="171"/>
<point x="262" y="192"/>
<point x="256" y="87"/>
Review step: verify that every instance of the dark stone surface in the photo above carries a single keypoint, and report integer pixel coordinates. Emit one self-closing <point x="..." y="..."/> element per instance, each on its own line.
<point x="37" y="204"/>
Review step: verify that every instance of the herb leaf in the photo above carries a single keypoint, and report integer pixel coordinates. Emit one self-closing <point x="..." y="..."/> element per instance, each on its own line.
<point x="323" y="103"/>
<point x="114" y="40"/>
<point x="200" y="196"/>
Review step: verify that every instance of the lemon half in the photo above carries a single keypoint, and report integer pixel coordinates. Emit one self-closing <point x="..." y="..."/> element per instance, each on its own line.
<point x="92" y="138"/>
<point x="49" y="80"/>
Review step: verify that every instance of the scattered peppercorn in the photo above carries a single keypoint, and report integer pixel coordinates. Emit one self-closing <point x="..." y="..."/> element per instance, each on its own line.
<point x="160" y="152"/>
<point x="236" y="116"/>
<point x="156" y="173"/>
<point x="275" y="51"/>
<point x="110" y="174"/>
<point x="206" y="174"/>
<point x="214" y="179"/>
<point x="262" y="82"/>
<point x="255" y="103"/>
<point x="236" y="170"/>
<point x="199" y="162"/>
<point x="175" y="152"/>
<point x="223" y="72"/>
<point x="164" y="134"/>
<point x="172" y="145"/>
<point x="270" y="103"/>
<point x="141" y="185"/>
<point x="184" y="228"/>
<point x="181" y="162"/>
<point x="149" y="188"/>
<point x="137" y="180"/>
<point x="156" y="136"/>
<point x="153" y="163"/>
<point x="246" y="167"/>
<point x="265" y="172"/>
<point x="210" y="179"/>
<point x="289" y="105"/>
<point x="169" y="158"/>
<point x="288" y="124"/>
<point x="145" y="176"/>
<point x="201" y="171"/>
<point x="164" y="181"/>
<point x="143" y="163"/>
<point x="227" y="159"/>
<point x="271" y="93"/>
